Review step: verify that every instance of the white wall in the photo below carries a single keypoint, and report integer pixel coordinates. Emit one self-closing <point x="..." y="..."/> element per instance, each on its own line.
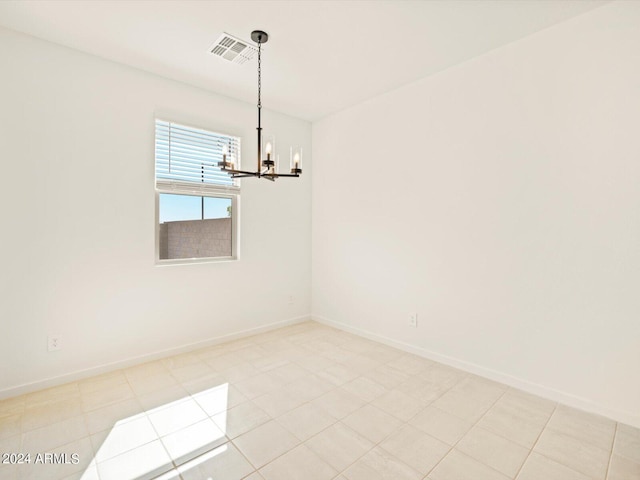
<point x="500" y="200"/>
<point x="77" y="219"/>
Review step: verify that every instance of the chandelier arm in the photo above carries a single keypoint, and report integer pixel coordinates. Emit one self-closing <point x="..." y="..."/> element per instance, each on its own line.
<point x="243" y="174"/>
<point x="233" y="170"/>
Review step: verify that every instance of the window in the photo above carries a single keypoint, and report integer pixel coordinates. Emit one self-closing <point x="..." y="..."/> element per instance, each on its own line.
<point x="196" y="202"/>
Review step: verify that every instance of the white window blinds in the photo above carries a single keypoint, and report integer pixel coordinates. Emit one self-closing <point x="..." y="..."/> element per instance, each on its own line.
<point x="188" y="157"/>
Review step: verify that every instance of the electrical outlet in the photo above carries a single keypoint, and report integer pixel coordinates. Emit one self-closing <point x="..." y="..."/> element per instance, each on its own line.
<point x="292" y="300"/>
<point x="413" y="320"/>
<point x="54" y="342"/>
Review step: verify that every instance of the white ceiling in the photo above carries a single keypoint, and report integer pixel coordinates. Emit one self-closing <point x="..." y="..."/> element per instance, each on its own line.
<point x="322" y="56"/>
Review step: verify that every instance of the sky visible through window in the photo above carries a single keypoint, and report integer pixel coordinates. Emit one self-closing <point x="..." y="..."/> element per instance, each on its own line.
<point x="189" y="207"/>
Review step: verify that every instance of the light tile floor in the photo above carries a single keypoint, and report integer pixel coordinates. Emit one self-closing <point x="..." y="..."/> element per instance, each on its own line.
<point x="305" y="402"/>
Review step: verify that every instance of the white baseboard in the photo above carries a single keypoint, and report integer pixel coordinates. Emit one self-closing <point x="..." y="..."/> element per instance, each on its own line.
<point x="129" y="362"/>
<point x="565" y="398"/>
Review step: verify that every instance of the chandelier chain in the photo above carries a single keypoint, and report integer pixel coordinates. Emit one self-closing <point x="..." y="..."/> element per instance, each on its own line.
<point x="259" y="74"/>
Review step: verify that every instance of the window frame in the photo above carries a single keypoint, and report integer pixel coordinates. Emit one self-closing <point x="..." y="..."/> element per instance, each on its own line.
<point x="232" y="192"/>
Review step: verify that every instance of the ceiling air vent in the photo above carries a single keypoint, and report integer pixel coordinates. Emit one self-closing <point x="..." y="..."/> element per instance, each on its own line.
<point x="233" y="49"/>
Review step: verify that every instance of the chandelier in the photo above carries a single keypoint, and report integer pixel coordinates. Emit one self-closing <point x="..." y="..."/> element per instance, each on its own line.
<point x="268" y="160"/>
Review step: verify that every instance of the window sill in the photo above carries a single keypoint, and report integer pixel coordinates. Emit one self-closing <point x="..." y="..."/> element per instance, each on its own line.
<point x="193" y="261"/>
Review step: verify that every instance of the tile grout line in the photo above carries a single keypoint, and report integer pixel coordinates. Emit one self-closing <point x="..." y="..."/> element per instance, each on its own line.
<point x="23" y="431"/>
<point x="460" y="439"/>
<point x="257" y="470"/>
<point x="536" y="442"/>
<point x="85" y="414"/>
<point x="301" y="442"/>
<point x="335" y="387"/>
<point x="210" y="417"/>
<point x="558" y="461"/>
<point x="613" y="443"/>
<point x="404" y="422"/>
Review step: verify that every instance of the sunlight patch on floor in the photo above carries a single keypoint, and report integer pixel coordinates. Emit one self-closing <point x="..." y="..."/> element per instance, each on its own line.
<point x="157" y="441"/>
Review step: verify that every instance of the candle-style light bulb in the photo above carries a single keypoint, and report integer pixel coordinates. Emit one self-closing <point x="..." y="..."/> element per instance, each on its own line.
<point x="296" y="160"/>
<point x="268" y="150"/>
